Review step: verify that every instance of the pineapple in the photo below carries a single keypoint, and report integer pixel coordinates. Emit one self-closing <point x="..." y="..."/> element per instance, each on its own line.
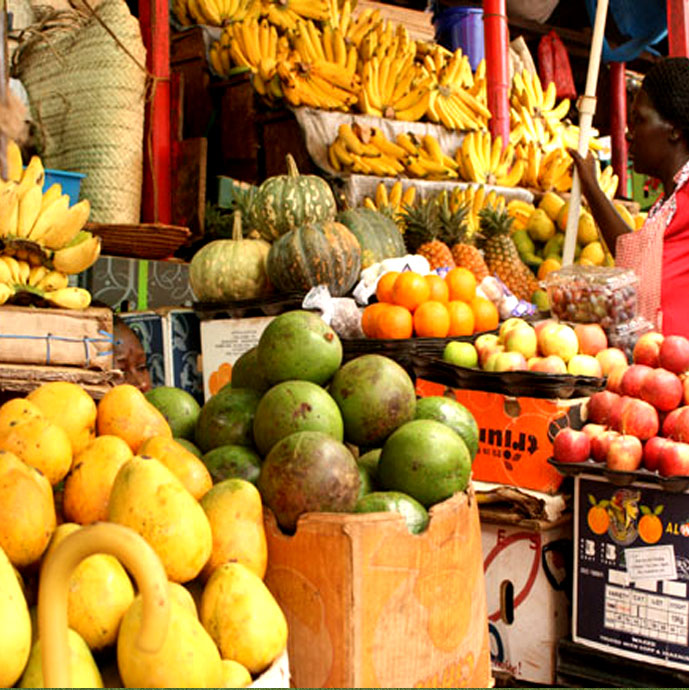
<point x="455" y="233"/>
<point x="501" y="254"/>
<point x="421" y="232"/>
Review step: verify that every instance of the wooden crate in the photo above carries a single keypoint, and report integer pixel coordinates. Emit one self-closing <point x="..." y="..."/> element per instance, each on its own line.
<point x="370" y="605"/>
<point x="56" y="337"/>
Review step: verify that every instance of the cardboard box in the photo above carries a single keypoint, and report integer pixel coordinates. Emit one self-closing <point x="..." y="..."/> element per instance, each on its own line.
<point x="222" y="342"/>
<point x="56" y="337"/>
<point x="370" y="605"/>
<point x="171" y="339"/>
<point x="631" y="571"/>
<point x="527" y="565"/>
<point x="515" y="434"/>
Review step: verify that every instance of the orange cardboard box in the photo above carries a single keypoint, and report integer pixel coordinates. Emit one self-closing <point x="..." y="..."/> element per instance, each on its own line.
<point x="370" y="605"/>
<point x="515" y="434"/>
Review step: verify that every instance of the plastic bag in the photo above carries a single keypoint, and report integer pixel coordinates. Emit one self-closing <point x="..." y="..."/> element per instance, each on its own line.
<point x="341" y="313"/>
<point x="553" y="63"/>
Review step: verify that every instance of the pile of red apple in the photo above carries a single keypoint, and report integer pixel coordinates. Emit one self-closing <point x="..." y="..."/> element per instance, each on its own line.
<point x="642" y="418"/>
<point x="550" y="347"/>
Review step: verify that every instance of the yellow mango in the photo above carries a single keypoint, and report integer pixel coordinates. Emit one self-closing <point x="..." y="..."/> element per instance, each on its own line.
<point x="186" y="466"/>
<point x="68" y="405"/>
<point x="17" y="411"/>
<point x="88" y="485"/>
<point x="124" y="411"/>
<point x="27" y="511"/>
<point x="15" y="625"/>
<point x="41" y="444"/>
<point x="235" y="513"/>
<point x="100" y="592"/>
<point x="147" y="497"/>
<point x="187" y="659"/>
<point x="243" y="618"/>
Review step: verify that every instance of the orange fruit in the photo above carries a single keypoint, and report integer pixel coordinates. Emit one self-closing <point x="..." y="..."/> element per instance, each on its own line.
<point x="486" y="316"/>
<point x="439" y="290"/>
<point x="410" y="290"/>
<point x="462" y="318"/>
<point x="431" y="320"/>
<point x="650" y="528"/>
<point x="598" y="520"/>
<point x="369" y="318"/>
<point x="461" y="283"/>
<point x="384" y="287"/>
<point x="394" y="321"/>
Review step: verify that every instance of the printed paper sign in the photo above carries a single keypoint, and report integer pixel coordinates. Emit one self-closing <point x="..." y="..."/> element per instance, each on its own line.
<point x="651" y="563"/>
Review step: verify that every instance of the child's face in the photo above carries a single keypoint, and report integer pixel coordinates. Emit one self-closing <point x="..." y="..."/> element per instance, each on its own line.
<point x="131" y="358"/>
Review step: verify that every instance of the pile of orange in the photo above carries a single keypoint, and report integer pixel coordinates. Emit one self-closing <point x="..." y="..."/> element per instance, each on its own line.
<point x="428" y="306"/>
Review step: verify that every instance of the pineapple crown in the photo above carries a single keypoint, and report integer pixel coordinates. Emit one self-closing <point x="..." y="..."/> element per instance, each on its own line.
<point x="493" y="221"/>
<point x="453" y="222"/>
<point x="421" y="223"/>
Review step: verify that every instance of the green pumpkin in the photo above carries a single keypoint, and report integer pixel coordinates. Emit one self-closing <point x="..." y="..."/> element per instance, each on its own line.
<point x="286" y="202"/>
<point x="228" y="270"/>
<point x="325" y="253"/>
<point x="378" y="235"/>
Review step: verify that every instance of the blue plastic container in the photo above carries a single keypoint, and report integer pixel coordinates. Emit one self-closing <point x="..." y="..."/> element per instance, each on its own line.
<point x="461" y="27"/>
<point x="70" y="181"/>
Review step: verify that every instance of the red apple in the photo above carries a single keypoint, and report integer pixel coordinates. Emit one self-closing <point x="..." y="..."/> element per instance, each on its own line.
<point x="610" y="358"/>
<point x="507" y="325"/>
<point x="674" y="459"/>
<point x="647" y="349"/>
<point x="538" y="327"/>
<point x="662" y="389"/>
<point x="615" y="375"/>
<point x="600" y="406"/>
<point x="486" y="340"/>
<point x="484" y="354"/>
<point x="680" y="428"/>
<point x="510" y="361"/>
<point x="591" y="337"/>
<point x="552" y="364"/>
<point x="600" y="444"/>
<point x="570" y="445"/>
<point x="668" y="428"/>
<point x="624" y="453"/>
<point x="584" y="365"/>
<point x="593" y="430"/>
<point x="652" y="450"/>
<point x="674" y="354"/>
<point x="521" y="338"/>
<point x="639" y="419"/>
<point x="684" y="378"/>
<point x="633" y="379"/>
<point x="618" y="407"/>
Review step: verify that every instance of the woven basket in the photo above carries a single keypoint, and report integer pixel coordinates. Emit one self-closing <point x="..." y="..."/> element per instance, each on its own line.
<point x="87" y="99"/>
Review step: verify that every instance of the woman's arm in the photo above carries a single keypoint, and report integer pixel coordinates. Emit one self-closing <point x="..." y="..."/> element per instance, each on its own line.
<point x="604" y="213"/>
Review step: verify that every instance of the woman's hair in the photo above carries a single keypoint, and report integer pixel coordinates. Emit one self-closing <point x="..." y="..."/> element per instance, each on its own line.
<point x="667" y="86"/>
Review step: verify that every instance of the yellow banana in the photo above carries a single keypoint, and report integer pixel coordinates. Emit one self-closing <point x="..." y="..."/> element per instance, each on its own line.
<point x="395" y="196"/>
<point x="416" y="111"/>
<point x="381" y="195"/>
<point x="409" y="196"/>
<point x="5" y="274"/>
<point x="513" y="177"/>
<point x="29" y="209"/>
<point x="48" y="217"/>
<point x="33" y="175"/>
<point x="9" y="206"/>
<point x="13" y="267"/>
<point x="380" y="141"/>
<point x="15" y="166"/>
<point x="78" y="257"/>
<point x="68" y="226"/>
<point x="69" y="298"/>
<point x="36" y="274"/>
<point x="52" y="280"/>
<point x="431" y="145"/>
<point x="6" y="291"/>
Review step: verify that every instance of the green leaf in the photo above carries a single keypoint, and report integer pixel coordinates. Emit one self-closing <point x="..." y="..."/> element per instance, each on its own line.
<point x="645" y="510"/>
<point x="659" y="509"/>
<point x="592" y="500"/>
<point x="604" y="503"/>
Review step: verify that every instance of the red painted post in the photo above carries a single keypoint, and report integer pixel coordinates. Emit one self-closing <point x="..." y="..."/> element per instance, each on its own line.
<point x="155" y="28"/>
<point x="496" y="37"/>
<point x="678" y="27"/>
<point x="618" y="123"/>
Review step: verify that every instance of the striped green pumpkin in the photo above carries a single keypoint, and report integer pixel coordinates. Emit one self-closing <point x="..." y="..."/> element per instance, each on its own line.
<point x="378" y="235"/>
<point x="325" y="253"/>
<point x="286" y="202"/>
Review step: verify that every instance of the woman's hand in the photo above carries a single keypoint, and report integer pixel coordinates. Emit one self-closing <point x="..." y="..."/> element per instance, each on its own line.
<point x="586" y="167"/>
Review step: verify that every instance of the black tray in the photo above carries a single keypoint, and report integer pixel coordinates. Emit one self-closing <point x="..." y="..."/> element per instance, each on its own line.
<point x="676" y="484"/>
<point x="241" y="309"/>
<point x="531" y="384"/>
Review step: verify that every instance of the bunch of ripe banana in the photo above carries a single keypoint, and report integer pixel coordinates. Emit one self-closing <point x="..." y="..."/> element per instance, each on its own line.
<point x="551" y="170"/>
<point x="320" y="72"/>
<point x="392" y="203"/>
<point x="607" y="180"/>
<point x="42" y="239"/>
<point x="458" y="99"/>
<point x="213" y="12"/>
<point x="365" y="150"/>
<point x="255" y="45"/>
<point x="482" y="159"/>
<point x="425" y="159"/>
<point x="475" y="198"/>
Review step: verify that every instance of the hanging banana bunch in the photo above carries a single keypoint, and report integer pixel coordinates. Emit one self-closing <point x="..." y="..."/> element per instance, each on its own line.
<point x="555" y="172"/>
<point x="214" y="12"/>
<point x="286" y="14"/>
<point x="482" y="159"/>
<point x="361" y="25"/>
<point x="607" y="180"/>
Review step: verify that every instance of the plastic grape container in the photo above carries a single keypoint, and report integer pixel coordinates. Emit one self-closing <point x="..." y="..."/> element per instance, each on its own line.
<point x="625" y="335"/>
<point x="593" y="294"/>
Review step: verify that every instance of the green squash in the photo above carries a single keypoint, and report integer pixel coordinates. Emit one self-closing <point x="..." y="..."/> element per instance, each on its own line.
<point x="286" y="202"/>
<point x="378" y="235"/>
<point x="228" y="270"/>
<point x="325" y="253"/>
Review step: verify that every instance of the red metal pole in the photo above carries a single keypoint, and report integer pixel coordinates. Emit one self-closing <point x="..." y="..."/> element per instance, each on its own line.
<point x="155" y="28"/>
<point x="496" y="38"/>
<point x="618" y="123"/>
<point x="678" y="27"/>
